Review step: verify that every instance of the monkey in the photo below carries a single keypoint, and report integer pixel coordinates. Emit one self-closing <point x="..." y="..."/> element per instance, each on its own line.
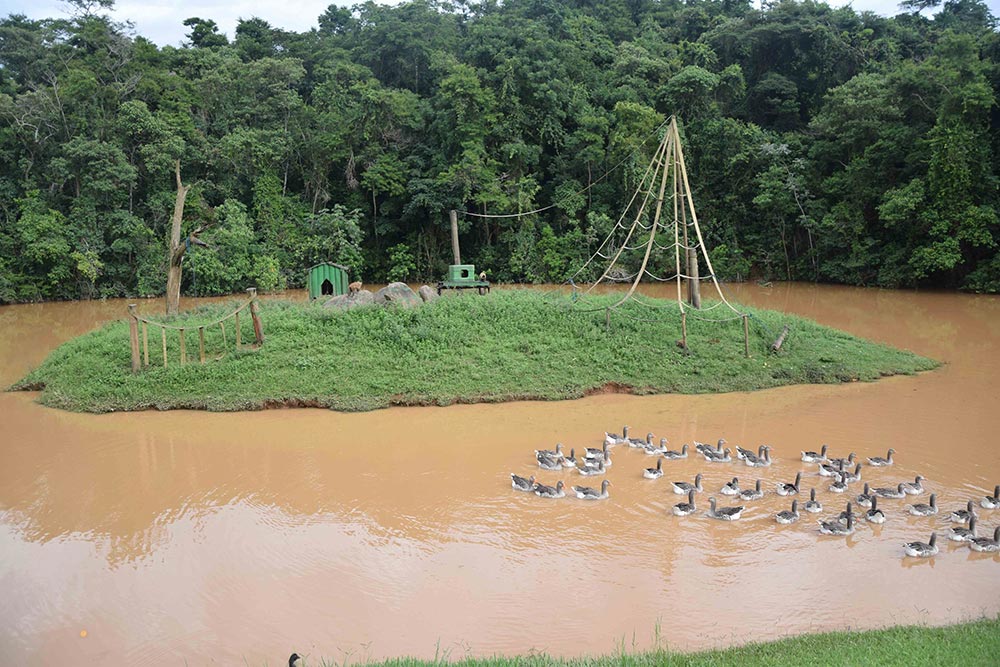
<point x="355" y="287"/>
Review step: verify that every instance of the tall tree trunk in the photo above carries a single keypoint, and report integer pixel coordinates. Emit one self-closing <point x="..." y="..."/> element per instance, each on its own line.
<point x="176" y="254"/>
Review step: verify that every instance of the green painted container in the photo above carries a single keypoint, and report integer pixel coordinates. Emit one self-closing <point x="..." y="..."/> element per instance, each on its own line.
<point x="327" y="279"/>
<point x="462" y="273"/>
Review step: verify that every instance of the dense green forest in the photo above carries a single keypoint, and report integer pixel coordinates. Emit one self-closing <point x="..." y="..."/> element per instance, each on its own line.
<point x="823" y="144"/>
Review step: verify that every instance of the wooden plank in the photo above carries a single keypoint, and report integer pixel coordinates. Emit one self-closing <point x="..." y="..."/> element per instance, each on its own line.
<point x="183" y="348"/>
<point x="201" y="344"/>
<point x="781" y="339"/>
<point x="237" y="331"/>
<point x="163" y="338"/>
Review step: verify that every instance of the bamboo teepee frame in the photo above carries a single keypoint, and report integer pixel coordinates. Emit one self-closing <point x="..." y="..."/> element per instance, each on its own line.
<point x="667" y="167"/>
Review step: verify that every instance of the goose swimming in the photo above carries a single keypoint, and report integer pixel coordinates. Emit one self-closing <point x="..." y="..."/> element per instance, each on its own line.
<point x="963" y="534"/>
<point x="654" y="473"/>
<point x="731" y="488"/>
<point x="601" y="452"/>
<point x="786" y="517"/>
<point x="672" y="455"/>
<point x="701" y="447"/>
<point x="849" y="511"/>
<point x="991" y="502"/>
<point x="985" y="544"/>
<point x="839" y="486"/>
<point x="762" y="461"/>
<point x="921" y="509"/>
<point x="865" y="499"/>
<point x="962" y="516"/>
<point x="637" y="442"/>
<point x="612" y="439"/>
<point x="875" y="515"/>
<point x="843" y="463"/>
<point x="521" y="484"/>
<point x="786" y="489"/>
<point x="883" y="492"/>
<point x="550" y="453"/>
<point x="569" y="461"/>
<point x="598" y="467"/>
<point x="684" y="509"/>
<point x="549" y="491"/>
<point x="815" y="457"/>
<point x="741" y="453"/>
<point x="548" y="463"/>
<point x="851" y="477"/>
<point x="724" y="513"/>
<point x="836" y="528"/>
<point x="587" y="493"/>
<point x="657" y="450"/>
<point x="683" y="487"/>
<point x="713" y="456"/>
<point x="914" y="488"/>
<point x="755" y="493"/>
<point x="921" y="549"/>
<point x="880" y="462"/>
<point x="812" y="505"/>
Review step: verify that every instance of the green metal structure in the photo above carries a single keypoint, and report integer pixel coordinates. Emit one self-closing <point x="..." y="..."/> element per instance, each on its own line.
<point x="463" y="276"/>
<point x="327" y="279"/>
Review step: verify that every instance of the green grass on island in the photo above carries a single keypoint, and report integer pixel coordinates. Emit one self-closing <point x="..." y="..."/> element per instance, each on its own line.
<point x="974" y="644"/>
<point x="513" y="344"/>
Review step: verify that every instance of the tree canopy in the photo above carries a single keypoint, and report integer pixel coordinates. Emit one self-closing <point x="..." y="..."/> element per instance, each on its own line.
<point x="823" y="144"/>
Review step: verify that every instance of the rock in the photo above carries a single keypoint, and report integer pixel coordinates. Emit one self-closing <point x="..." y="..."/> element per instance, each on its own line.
<point x="397" y="294"/>
<point x="427" y="293"/>
<point x="351" y="300"/>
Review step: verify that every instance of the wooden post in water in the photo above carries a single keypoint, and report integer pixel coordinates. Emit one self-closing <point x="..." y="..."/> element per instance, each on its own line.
<point x="258" y="329"/>
<point x="145" y="345"/>
<point x="746" y="335"/>
<point x="237" y="330"/>
<point x="163" y="338"/>
<point x="453" y="218"/>
<point x="201" y="344"/>
<point x="183" y="347"/>
<point x="133" y="334"/>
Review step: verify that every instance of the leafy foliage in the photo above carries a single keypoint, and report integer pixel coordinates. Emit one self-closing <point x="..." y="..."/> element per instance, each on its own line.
<point x="823" y="144"/>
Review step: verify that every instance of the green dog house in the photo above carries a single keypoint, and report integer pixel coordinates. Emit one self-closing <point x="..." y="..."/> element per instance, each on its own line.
<point x="327" y="279"/>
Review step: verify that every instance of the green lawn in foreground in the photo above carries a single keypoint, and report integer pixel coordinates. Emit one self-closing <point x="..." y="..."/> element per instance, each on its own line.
<point x="970" y="644"/>
<point x="512" y="344"/>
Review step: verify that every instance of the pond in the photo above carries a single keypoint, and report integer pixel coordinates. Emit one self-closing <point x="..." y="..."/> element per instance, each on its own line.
<point x="227" y="537"/>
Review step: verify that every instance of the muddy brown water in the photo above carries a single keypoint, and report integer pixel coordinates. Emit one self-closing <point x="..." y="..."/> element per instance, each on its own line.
<point x="219" y="538"/>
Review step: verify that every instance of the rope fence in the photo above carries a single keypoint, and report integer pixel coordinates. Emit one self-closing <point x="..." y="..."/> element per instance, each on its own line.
<point x="140" y="345"/>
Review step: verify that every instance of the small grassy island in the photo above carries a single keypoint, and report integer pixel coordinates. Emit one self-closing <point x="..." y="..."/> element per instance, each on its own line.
<point x="514" y="344"/>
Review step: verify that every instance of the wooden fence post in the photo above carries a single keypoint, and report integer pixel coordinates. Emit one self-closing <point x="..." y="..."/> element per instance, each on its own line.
<point x="145" y="345"/>
<point x="222" y="325"/>
<point x="237" y="330"/>
<point x="133" y="331"/>
<point x="201" y="344"/>
<point x="684" y="330"/>
<point x="746" y="335"/>
<point x="163" y="338"/>
<point x="183" y="348"/>
<point x="258" y="329"/>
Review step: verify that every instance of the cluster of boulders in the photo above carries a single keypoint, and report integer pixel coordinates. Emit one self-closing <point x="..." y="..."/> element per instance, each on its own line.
<point x="396" y="294"/>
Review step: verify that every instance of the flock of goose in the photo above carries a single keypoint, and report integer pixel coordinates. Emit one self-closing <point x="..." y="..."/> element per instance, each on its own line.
<point x="844" y="471"/>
